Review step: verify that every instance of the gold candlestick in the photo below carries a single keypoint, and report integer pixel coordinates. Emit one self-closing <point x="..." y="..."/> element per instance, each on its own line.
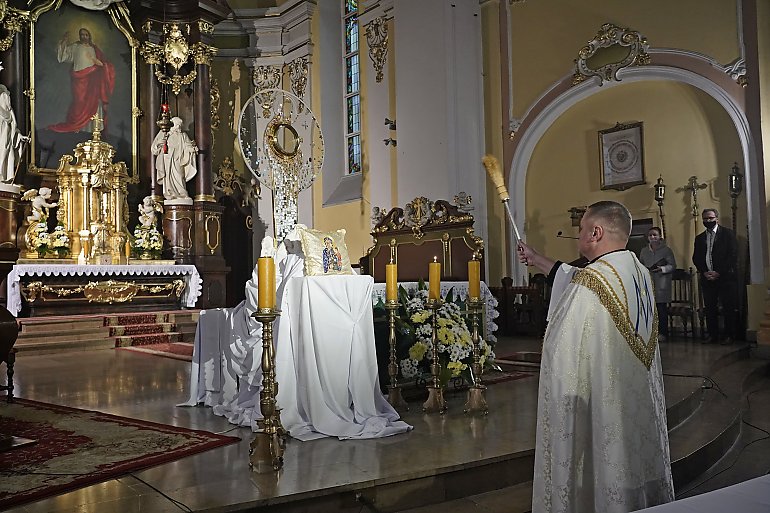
<point x="435" y="401"/>
<point x="394" y="389"/>
<point x="476" y="402"/>
<point x="266" y="450"/>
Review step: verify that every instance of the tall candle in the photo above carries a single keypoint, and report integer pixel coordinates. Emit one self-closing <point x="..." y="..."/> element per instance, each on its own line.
<point x="474" y="279"/>
<point x="434" y="274"/>
<point x="265" y="283"/>
<point x="391" y="282"/>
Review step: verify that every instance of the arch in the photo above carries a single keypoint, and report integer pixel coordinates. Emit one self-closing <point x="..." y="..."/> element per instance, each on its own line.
<point x="545" y="112"/>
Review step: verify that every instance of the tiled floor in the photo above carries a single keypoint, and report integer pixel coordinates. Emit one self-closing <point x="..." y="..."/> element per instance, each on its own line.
<point x="149" y="387"/>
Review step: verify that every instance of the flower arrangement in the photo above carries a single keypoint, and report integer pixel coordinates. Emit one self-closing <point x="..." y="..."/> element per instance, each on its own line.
<point x="147" y="242"/>
<point x="455" y="346"/>
<point x="40" y="237"/>
<point x="60" y="241"/>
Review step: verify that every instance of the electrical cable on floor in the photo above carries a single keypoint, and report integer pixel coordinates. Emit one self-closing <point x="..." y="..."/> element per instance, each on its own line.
<point x="228" y="430"/>
<point x="711" y="383"/>
<point x="366" y="503"/>
<point x="178" y="504"/>
<point x="738" y="456"/>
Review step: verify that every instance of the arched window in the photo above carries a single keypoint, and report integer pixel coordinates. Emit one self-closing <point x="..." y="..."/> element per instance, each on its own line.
<point x="352" y="86"/>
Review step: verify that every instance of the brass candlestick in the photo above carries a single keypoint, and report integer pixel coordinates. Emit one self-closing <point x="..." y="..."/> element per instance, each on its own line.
<point x="435" y="401"/>
<point x="394" y="389"/>
<point x="476" y="402"/>
<point x="266" y="450"/>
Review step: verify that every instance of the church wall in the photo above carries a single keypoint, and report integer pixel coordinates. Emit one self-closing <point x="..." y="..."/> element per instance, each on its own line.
<point x="495" y="74"/>
<point x="685" y="133"/>
<point x="547" y="35"/>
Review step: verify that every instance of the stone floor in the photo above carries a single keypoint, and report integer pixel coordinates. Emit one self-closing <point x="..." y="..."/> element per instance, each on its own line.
<point x="149" y="387"/>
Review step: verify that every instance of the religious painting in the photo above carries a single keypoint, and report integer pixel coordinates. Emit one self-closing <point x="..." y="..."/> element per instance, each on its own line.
<point x="82" y="66"/>
<point x="622" y="156"/>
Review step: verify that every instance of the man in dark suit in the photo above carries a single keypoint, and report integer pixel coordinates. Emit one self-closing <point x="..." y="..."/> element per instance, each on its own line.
<point x="715" y="257"/>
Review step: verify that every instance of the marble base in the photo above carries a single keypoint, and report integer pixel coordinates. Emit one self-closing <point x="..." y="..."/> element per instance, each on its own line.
<point x="10" y="187"/>
<point x="178" y="201"/>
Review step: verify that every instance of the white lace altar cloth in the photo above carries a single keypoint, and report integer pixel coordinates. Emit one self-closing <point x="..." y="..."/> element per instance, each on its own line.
<point x="461" y="291"/>
<point x="193" y="281"/>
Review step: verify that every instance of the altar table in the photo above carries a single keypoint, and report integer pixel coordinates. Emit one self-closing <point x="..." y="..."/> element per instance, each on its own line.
<point x="326" y="365"/>
<point x="136" y="273"/>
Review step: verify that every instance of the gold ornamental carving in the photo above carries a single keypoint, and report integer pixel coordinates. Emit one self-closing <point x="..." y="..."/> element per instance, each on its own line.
<point x="612" y="49"/>
<point x="377" y="40"/>
<point x="212" y="233"/>
<point x="109" y="291"/>
<point x="215" y="99"/>
<point x="13" y="21"/>
<point x="422" y="213"/>
<point x="298" y="72"/>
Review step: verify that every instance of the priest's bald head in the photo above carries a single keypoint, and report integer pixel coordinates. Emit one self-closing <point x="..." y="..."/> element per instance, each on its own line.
<point x="605" y="227"/>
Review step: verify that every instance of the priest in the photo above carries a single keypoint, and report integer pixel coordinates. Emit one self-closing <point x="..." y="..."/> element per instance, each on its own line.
<point x="602" y="440"/>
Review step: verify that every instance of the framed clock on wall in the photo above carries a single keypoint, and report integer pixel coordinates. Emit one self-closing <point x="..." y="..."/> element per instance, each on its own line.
<point x="622" y="156"/>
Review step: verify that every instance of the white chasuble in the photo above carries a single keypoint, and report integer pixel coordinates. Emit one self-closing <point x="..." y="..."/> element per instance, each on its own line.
<point x="602" y="440"/>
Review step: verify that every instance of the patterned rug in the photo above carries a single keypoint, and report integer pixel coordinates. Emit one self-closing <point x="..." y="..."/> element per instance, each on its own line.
<point x="176" y="350"/>
<point x="76" y="448"/>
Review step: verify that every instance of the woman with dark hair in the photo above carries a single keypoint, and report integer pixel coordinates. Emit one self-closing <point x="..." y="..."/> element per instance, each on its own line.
<point x="659" y="259"/>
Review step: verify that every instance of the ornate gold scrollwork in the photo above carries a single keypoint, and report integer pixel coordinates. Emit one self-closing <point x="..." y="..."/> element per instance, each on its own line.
<point x="13" y="21"/>
<point x="298" y="71"/>
<point x="110" y="291"/>
<point x="612" y="49"/>
<point x="212" y="247"/>
<point x="377" y="39"/>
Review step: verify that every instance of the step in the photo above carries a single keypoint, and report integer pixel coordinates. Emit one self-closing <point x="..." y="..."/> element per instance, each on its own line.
<point x="143" y="340"/>
<point x="141" y="318"/>
<point x="511" y="499"/>
<point x="39" y="348"/>
<point x="61" y="336"/>
<point x="42" y="326"/>
<point x="141" y="329"/>
<point x="705" y="436"/>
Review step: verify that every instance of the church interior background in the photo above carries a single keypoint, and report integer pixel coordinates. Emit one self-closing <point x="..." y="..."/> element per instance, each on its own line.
<point x="409" y="96"/>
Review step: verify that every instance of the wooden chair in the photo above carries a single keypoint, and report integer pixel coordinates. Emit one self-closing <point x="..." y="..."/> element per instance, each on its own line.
<point x="682" y="304"/>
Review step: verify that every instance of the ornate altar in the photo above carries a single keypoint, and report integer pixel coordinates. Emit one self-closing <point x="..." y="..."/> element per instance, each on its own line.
<point x="424" y="229"/>
<point x="93" y="205"/>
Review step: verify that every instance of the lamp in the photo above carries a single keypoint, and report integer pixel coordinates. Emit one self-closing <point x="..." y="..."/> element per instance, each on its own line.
<point x="735" y="185"/>
<point x="660" y="195"/>
<point x="391" y="123"/>
<point x="390" y="140"/>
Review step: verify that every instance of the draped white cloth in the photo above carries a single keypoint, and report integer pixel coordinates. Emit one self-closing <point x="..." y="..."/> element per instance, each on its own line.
<point x="326" y="365"/>
<point x="602" y="441"/>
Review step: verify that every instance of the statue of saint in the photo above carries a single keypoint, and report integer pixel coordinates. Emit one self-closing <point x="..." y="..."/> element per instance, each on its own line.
<point x="11" y="140"/>
<point x="40" y="204"/>
<point x="147" y="212"/>
<point x="175" y="163"/>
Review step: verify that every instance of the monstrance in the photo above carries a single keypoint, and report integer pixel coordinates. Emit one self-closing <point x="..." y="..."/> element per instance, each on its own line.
<point x="283" y="147"/>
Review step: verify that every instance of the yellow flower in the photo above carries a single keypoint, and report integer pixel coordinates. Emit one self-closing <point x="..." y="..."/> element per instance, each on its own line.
<point x="420" y="316"/>
<point x="456" y="367"/>
<point x="417" y="351"/>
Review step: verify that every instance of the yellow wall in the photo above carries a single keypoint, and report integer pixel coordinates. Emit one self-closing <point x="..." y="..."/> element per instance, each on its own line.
<point x="493" y="69"/>
<point x="547" y="34"/>
<point x="685" y="133"/>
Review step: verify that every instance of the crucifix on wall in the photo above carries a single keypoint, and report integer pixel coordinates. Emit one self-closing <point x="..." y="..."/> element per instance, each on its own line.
<point x="693" y="187"/>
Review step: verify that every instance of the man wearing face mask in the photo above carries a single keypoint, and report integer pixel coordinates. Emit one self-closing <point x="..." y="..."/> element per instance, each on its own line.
<point x="715" y="257"/>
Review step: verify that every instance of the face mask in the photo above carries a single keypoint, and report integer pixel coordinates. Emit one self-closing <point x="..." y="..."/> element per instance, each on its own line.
<point x="709" y="224"/>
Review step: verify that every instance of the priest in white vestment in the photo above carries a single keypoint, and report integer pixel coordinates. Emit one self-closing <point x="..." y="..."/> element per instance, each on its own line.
<point x="602" y="441"/>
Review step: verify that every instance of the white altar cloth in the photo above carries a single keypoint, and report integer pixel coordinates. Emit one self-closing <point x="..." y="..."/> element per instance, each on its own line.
<point x="460" y="290"/>
<point x="326" y="365"/>
<point x="193" y="282"/>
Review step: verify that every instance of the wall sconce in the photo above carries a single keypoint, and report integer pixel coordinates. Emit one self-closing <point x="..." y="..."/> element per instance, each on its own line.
<point x="735" y="185"/>
<point x="389" y="141"/>
<point x="660" y="196"/>
<point x="576" y="214"/>
<point x="391" y="123"/>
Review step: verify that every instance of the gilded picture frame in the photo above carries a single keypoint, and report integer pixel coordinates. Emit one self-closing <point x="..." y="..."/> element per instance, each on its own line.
<point x="61" y="96"/>
<point x="621" y="154"/>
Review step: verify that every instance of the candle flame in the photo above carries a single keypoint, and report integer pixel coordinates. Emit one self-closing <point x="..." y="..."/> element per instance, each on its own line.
<point x="435" y="259"/>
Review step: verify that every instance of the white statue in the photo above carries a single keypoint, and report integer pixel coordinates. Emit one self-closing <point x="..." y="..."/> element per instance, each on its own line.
<point x="175" y="163"/>
<point x="40" y="203"/>
<point x="147" y="210"/>
<point x="11" y="140"/>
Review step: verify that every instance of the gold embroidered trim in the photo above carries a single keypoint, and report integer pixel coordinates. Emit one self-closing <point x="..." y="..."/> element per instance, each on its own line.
<point x="618" y="311"/>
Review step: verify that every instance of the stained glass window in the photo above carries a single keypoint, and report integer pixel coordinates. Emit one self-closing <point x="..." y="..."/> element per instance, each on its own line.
<point x="352" y="86"/>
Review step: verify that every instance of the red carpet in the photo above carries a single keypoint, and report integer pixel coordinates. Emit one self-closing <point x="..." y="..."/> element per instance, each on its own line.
<point x="176" y="350"/>
<point x="76" y="448"/>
